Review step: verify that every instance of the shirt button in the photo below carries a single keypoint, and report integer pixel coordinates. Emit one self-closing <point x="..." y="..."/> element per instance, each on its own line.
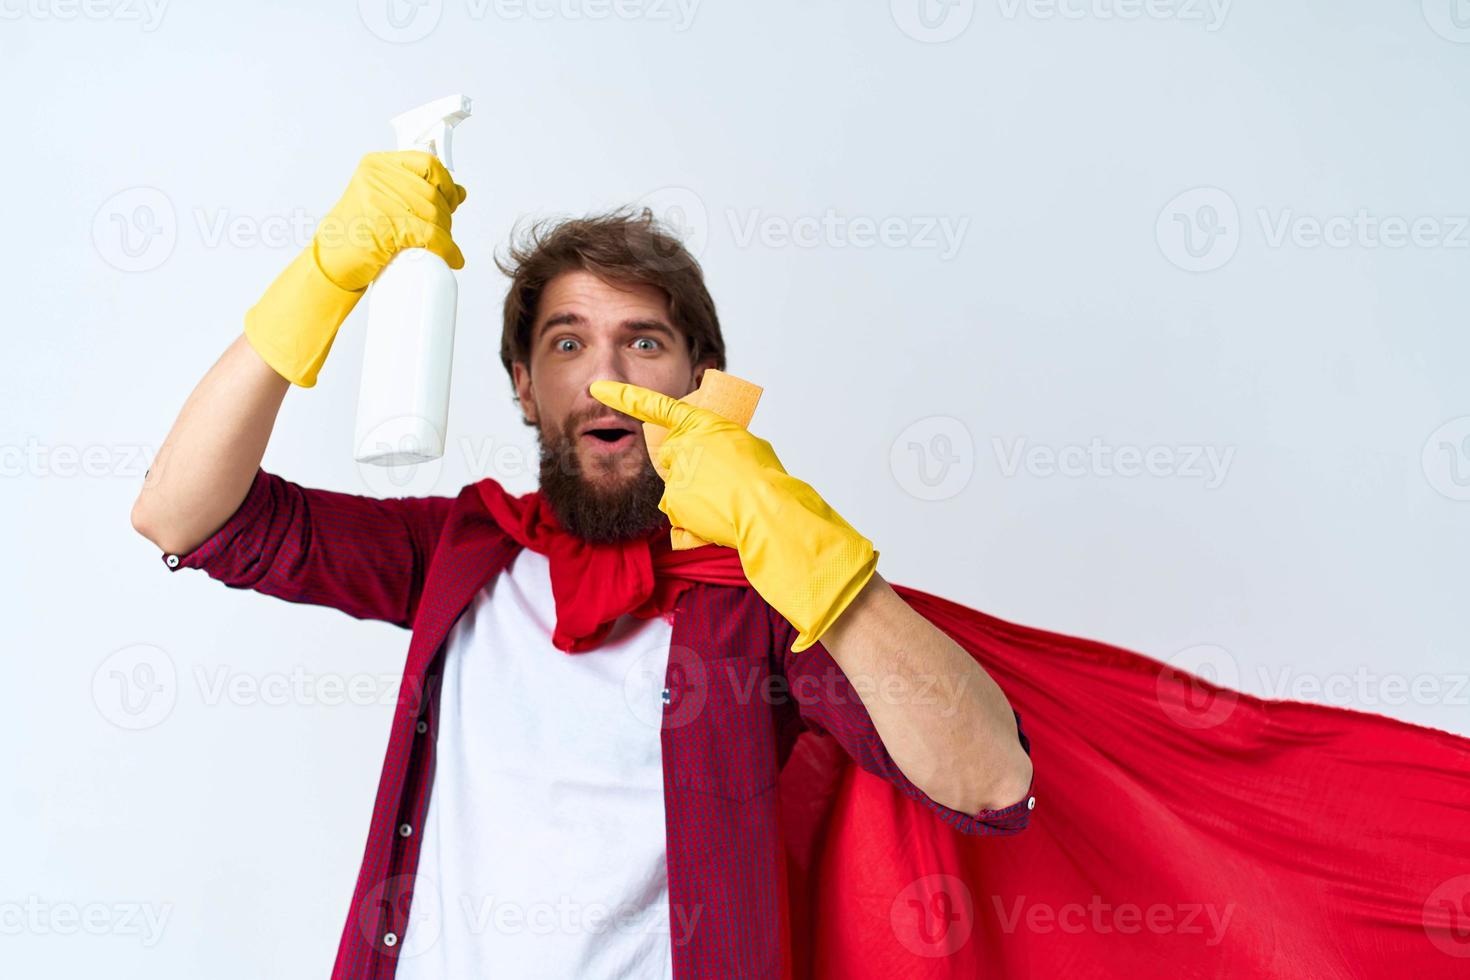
<point x="404" y="830"/>
<point x="421" y="727"/>
<point x="390" y="939"/>
<point x="667" y="696"/>
<point x="1031" y="803"/>
<point x="173" y="561"/>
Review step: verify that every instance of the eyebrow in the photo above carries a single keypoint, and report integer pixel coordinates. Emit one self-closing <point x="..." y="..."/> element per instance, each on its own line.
<point x="576" y="319"/>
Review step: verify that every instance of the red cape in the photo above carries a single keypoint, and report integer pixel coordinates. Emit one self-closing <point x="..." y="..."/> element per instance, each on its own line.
<point x="1182" y="830"/>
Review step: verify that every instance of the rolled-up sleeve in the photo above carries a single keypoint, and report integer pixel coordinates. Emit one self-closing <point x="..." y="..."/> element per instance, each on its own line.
<point x="827" y="702"/>
<point x="361" y="555"/>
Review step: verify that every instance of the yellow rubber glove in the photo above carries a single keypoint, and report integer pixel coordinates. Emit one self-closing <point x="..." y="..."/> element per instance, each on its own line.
<point x="394" y="201"/>
<point x="727" y="486"/>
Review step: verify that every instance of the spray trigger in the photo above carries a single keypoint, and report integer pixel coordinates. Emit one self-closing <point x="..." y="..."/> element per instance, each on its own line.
<point x="428" y="127"/>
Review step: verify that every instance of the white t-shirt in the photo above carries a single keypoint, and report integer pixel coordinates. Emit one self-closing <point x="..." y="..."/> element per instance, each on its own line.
<point x="543" y="853"/>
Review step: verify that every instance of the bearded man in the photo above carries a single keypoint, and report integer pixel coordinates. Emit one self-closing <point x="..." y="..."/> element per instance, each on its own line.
<point x="585" y="772"/>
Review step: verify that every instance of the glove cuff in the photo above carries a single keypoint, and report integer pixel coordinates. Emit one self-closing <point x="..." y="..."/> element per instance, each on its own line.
<point x="293" y="324"/>
<point x="801" y="556"/>
<point x="844" y="579"/>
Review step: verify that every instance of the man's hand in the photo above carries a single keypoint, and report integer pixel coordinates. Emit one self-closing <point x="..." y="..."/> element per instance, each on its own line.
<point x="393" y="202"/>
<point x="725" y="485"/>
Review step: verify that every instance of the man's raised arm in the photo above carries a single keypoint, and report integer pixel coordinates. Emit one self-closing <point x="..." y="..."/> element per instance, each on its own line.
<point x="207" y="463"/>
<point x="207" y="503"/>
<point x="206" y="466"/>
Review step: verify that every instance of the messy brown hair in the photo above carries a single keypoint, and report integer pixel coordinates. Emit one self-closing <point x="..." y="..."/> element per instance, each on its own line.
<point x="623" y="246"/>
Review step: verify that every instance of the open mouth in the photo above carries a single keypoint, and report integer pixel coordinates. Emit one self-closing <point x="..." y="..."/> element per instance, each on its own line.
<point x="604" y="435"/>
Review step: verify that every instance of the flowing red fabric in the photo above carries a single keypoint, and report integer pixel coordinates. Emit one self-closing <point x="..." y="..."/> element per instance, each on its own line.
<point x="1181" y="830"/>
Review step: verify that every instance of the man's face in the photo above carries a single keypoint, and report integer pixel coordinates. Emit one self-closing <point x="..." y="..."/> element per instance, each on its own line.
<point x="595" y="470"/>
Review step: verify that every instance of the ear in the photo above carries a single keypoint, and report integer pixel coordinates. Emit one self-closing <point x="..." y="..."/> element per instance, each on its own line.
<point x="699" y="370"/>
<point x="527" y="398"/>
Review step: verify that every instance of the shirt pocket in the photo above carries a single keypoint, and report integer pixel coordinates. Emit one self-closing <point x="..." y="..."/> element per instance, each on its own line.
<point x="718" y="728"/>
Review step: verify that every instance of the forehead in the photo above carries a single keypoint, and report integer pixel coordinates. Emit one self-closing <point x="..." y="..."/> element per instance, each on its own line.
<point x="591" y="299"/>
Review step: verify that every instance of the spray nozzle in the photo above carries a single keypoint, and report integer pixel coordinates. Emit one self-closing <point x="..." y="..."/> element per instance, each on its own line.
<point x="428" y="127"/>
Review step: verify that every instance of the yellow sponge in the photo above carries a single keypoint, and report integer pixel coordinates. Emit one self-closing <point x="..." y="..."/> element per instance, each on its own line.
<point x="721" y="393"/>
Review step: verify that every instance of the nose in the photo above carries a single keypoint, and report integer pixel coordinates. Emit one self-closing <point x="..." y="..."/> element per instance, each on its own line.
<point x="589" y="408"/>
<point x="605" y="365"/>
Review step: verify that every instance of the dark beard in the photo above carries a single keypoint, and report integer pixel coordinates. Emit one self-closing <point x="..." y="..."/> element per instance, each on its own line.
<point x="596" y="514"/>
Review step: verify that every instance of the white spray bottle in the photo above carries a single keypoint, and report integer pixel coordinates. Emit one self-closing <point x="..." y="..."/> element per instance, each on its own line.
<point x="403" y="404"/>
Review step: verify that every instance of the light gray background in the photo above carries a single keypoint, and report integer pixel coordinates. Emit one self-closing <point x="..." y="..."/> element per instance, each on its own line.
<point x="153" y="159"/>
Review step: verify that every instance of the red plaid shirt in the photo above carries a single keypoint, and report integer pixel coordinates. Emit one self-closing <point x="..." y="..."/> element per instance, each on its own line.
<point x="419" y="562"/>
